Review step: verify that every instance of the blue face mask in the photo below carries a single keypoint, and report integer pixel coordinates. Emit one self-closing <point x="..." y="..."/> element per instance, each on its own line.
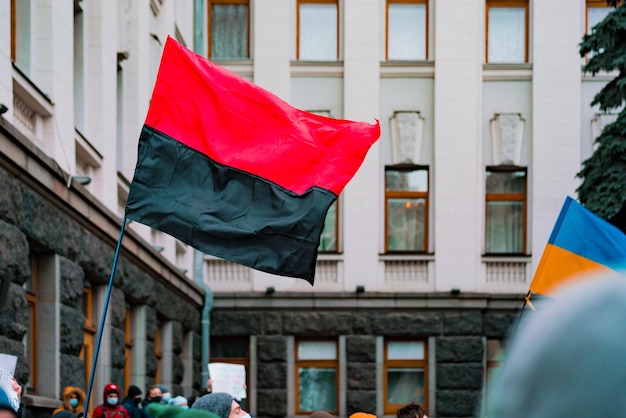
<point x="185" y="406"/>
<point x="74" y="403"/>
<point x="112" y="401"/>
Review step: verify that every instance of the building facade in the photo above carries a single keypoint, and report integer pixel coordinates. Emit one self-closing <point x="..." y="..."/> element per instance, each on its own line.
<point x="425" y="260"/>
<point x="75" y="83"/>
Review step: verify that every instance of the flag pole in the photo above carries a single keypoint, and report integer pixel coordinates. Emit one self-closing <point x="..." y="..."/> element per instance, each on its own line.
<point x="104" y="314"/>
<point x="519" y="318"/>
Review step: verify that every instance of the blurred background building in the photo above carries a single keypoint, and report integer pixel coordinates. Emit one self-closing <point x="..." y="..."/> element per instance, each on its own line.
<point x="424" y="261"/>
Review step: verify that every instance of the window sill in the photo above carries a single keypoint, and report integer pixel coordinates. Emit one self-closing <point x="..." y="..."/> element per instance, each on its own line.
<point x="507" y="72"/>
<point x="316" y="68"/>
<point x="41" y="402"/>
<point x="506" y="257"/>
<point x="31" y="95"/>
<point x="417" y="257"/>
<point x="397" y="69"/>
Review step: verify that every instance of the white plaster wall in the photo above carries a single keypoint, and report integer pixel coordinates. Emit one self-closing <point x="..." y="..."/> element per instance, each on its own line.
<point x="6" y="71"/>
<point x="137" y="91"/>
<point x="589" y="89"/>
<point x="415" y="94"/>
<point x="361" y="216"/>
<point x="507" y="97"/>
<point x="271" y="47"/>
<point x="459" y="35"/>
<point x="53" y="71"/>
<point x="556" y="114"/>
<point x="318" y="93"/>
<point x="101" y="75"/>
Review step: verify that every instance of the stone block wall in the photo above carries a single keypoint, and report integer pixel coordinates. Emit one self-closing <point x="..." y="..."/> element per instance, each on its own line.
<point x="31" y="222"/>
<point x="458" y="353"/>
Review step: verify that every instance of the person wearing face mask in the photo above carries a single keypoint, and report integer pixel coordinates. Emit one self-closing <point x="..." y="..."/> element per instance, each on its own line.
<point x="73" y="401"/>
<point x="132" y="403"/>
<point x="166" y="396"/>
<point x="221" y="404"/>
<point x="111" y="408"/>
<point x="153" y="394"/>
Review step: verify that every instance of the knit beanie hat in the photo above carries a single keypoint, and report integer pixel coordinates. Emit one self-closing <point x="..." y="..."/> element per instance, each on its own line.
<point x="219" y="403"/>
<point x="157" y="410"/>
<point x="178" y="401"/>
<point x="321" y="414"/>
<point x="362" y="415"/>
<point x="133" y="391"/>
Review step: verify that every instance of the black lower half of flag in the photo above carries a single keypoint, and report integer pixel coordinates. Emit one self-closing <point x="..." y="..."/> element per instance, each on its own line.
<point x="224" y="211"/>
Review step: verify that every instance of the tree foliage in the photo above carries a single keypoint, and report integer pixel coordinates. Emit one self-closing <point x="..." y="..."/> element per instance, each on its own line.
<point x="603" y="187"/>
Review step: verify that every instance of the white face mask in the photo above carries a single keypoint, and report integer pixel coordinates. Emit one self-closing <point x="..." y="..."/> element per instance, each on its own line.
<point x="246" y="416"/>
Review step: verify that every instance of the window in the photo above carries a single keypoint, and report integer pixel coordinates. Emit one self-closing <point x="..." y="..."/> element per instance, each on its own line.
<point x="406" y="209"/>
<point x="329" y="239"/>
<point x="507" y="31"/>
<point x="318" y="30"/>
<point x="596" y="12"/>
<point x="229" y="29"/>
<point x="89" y="332"/>
<point x="157" y="352"/>
<point x="234" y="351"/>
<point x="505" y="210"/>
<point x="405" y="374"/>
<point x="30" y="338"/>
<point x="495" y="356"/>
<point x="21" y="34"/>
<point x="316" y="376"/>
<point x="407" y="30"/>
<point x="128" y="348"/>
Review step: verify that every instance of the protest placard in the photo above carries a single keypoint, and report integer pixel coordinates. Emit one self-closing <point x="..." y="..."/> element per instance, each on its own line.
<point x="229" y="378"/>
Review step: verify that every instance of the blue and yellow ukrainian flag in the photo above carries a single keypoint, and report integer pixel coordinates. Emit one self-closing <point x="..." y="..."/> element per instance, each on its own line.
<point x="580" y="242"/>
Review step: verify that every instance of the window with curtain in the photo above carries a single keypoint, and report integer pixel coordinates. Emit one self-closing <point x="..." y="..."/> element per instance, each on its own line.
<point x="507" y="32"/>
<point x="229" y="29"/>
<point x="329" y="239"/>
<point x="405" y="374"/>
<point x="318" y="30"/>
<point x="316" y="376"/>
<point x="406" y="209"/>
<point x="407" y="29"/>
<point x="505" y="210"/>
<point x="234" y="350"/>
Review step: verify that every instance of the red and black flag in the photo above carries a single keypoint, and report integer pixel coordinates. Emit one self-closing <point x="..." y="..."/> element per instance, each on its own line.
<point x="236" y="172"/>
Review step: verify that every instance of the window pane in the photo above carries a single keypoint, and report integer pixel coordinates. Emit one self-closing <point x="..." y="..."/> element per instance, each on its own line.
<point x="405" y="385"/>
<point x="405" y="350"/>
<point x="407" y="32"/>
<point x="507" y="34"/>
<point x="328" y="238"/>
<point x="229" y="31"/>
<point x="229" y="349"/>
<point x="505" y="223"/>
<point x="317" y="389"/>
<point x="596" y="15"/>
<point x="317" y="350"/>
<point x="414" y="181"/>
<point x="506" y="182"/>
<point x="318" y="32"/>
<point x="406" y="224"/>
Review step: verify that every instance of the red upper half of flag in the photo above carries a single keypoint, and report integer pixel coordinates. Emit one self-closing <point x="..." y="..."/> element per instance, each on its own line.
<point x="237" y="123"/>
